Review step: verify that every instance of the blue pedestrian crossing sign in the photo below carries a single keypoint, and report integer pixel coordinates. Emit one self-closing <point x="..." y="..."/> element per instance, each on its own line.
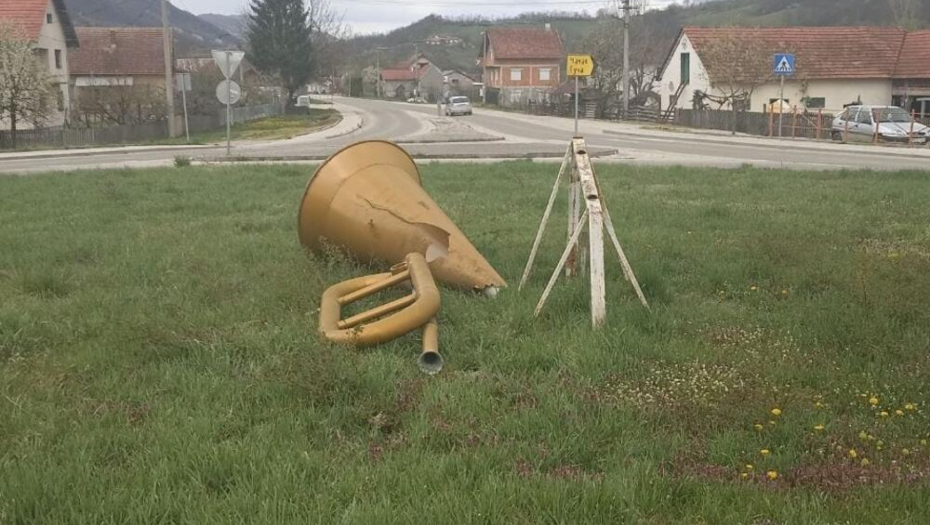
<point x="784" y="64"/>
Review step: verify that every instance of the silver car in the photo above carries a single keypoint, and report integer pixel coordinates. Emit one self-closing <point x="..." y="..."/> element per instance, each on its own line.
<point x="458" y="106"/>
<point x="859" y="124"/>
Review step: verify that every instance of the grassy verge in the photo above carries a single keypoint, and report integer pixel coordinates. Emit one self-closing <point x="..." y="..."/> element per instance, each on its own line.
<point x="159" y="361"/>
<point x="271" y="128"/>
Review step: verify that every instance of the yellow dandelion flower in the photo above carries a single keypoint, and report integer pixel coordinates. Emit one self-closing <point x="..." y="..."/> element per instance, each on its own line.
<point x="923" y="442"/>
<point x="873" y="401"/>
<point x="765" y="452"/>
<point x="899" y="412"/>
<point x="772" y="475"/>
<point x="863" y="436"/>
<point x="853" y="454"/>
<point x="784" y="292"/>
<point x="818" y="405"/>
<point x="754" y="288"/>
<point x="758" y="427"/>
<point x="750" y="467"/>
<point x="883" y="414"/>
<point x="819" y="428"/>
<point x="905" y="451"/>
<point x="910" y="407"/>
<point x="771" y="423"/>
<point x="776" y="412"/>
<point x="744" y="475"/>
<point x="880" y="443"/>
<point x="865" y="462"/>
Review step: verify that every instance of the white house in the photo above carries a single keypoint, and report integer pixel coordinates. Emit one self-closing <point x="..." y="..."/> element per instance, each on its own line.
<point x="836" y="66"/>
<point x="46" y="22"/>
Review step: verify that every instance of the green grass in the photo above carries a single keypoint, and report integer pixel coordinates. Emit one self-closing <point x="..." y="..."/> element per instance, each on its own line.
<point x="271" y="128"/>
<point x="159" y="360"/>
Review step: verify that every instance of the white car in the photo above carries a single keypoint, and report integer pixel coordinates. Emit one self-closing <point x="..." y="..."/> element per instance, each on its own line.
<point x="458" y="106"/>
<point x="859" y="124"/>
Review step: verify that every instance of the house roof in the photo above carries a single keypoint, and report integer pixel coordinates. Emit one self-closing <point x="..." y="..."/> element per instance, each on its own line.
<point x="914" y="61"/>
<point x="118" y="51"/>
<point x="29" y="15"/>
<point x="832" y="52"/>
<point x="396" y="75"/>
<point x="822" y="52"/>
<point x="516" y="43"/>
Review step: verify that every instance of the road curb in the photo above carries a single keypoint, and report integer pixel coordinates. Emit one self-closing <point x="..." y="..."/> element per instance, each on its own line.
<point x="777" y="145"/>
<point x="439" y="141"/>
<point x="416" y="156"/>
<point x="79" y="153"/>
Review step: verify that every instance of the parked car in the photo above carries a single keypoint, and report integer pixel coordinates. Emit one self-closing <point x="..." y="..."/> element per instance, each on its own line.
<point x="417" y="100"/>
<point x="893" y="125"/>
<point x="458" y="106"/>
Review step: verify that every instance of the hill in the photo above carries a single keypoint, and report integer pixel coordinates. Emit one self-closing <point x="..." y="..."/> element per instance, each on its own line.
<point x="232" y="24"/>
<point x="663" y="24"/>
<point x="192" y="33"/>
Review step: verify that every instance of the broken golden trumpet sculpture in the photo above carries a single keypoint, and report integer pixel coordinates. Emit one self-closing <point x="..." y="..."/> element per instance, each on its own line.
<point x="387" y="322"/>
<point x="367" y="199"/>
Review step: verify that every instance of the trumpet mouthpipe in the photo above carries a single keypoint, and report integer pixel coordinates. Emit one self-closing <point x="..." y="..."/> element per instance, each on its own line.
<point x="430" y="362"/>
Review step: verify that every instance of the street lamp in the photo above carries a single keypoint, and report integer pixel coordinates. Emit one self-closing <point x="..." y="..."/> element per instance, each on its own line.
<point x="616" y="11"/>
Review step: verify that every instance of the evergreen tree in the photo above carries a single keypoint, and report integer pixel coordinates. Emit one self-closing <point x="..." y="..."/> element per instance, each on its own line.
<point x="280" y="37"/>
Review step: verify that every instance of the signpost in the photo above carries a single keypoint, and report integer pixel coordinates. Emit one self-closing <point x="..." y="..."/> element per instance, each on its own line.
<point x="184" y="85"/>
<point x="784" y="66"/>
<point x="228" y="91"/>
<point x="579" y="66"/>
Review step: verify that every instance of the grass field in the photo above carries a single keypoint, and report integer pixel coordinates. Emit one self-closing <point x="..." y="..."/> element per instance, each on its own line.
<point x="159" y="361"/>
<point x="270" y="128"/>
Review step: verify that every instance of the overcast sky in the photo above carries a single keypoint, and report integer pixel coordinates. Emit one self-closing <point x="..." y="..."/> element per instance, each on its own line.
<point x="376" y="16"/>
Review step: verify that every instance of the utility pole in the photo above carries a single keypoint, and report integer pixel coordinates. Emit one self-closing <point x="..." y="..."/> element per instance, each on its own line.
<point x="169" y="67"/>
<point x="626" y="58"/>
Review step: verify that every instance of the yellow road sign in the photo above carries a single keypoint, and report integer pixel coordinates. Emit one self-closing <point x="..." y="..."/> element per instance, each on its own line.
<point x="580" y="65"/>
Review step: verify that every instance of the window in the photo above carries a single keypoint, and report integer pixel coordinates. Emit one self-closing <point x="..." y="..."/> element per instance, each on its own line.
<point x="816" y="102"/>
<point x="58" y="59"/>
<point x="48" y="18"/>
<point x="864" y="117"/>
<point x="516" y="74"/>
<point x="685" y="68"/>
<point x="545" y="74"/>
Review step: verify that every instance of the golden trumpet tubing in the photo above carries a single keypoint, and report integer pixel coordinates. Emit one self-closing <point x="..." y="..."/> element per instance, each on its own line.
<point x="431" y="336"/>
<point x="423" y="307"/>
<point x="375" y="288"/>
<point x="377" y="312"/>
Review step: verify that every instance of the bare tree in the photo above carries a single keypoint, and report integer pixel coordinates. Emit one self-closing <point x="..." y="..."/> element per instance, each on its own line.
<point x="25" y="85"/>
<point x="736" y="66"/>
<point x="906" y="13"/>
<point x="118" y="103"/>
<point x="605" y="43"/>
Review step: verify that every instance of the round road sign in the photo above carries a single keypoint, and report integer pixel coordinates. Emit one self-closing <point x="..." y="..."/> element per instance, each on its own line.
<point x="230" y="88"/>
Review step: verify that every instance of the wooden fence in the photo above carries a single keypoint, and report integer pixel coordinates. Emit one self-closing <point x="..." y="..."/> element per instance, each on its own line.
<point x="131" y="133"/>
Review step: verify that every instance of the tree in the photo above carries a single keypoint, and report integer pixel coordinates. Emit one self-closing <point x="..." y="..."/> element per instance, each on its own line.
<point x="736" y="64"/>
<point x="289" y="39"/>
<point x="605" y="44"/>
<point x="25" y="85"/>
<point x="906" y="13"/>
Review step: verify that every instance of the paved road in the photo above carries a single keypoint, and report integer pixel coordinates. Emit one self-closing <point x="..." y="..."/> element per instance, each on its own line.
<point x="523" y="135"/>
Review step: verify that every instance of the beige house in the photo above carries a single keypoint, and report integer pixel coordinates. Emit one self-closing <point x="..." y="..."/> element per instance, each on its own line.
<point x="46" y="22"/>
<point x="118" y="75"/>
<point x="836" y="66"/>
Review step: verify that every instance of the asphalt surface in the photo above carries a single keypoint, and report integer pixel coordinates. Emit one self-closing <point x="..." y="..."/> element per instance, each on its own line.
<point x="522" y="136"/>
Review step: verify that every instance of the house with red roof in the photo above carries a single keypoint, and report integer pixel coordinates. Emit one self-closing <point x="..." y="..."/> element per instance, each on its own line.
<point x="414" y="77"/>
<point x="835" y="66"/>
<point x="47" y="24"/>
<point x="521" y="63"/>
<point x="118" y="73"/>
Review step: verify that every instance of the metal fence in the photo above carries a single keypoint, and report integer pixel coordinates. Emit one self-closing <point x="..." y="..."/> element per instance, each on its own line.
<point x="131" y="133"/>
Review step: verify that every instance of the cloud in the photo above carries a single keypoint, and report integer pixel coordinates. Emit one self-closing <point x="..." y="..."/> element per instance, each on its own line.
<point x="384" y="15"/>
